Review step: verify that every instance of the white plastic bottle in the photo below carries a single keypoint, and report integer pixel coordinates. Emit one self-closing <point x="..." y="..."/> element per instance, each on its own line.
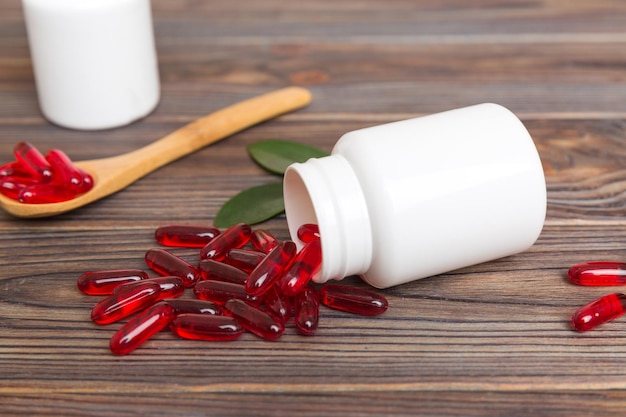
<point x="420" y="197"/>
<point x="94" y="61"/>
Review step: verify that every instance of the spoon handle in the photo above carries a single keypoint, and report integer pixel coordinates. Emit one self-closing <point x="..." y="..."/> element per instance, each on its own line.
<point x="214" y="127"/>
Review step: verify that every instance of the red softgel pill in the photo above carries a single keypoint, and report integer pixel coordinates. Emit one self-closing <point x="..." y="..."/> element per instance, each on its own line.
<point x="234" y="237"/>
<point x="353" y="300"/>
<point x="166" y="263"/>
<point x="305" y="265"/>
<point x="306" y="311"/>
<point x="185" y="236"/>
<point x="263" y="241"/>
<point x="103" y="282"/>
<point x="254" y="320"/>
<point x="206" y="327"/>
<point x="598" y="274"/>
<point x="125" y="302"/>
<point x="599" y="311"/>
<point x="271" y="268"/>
<point x="141" y="328"/>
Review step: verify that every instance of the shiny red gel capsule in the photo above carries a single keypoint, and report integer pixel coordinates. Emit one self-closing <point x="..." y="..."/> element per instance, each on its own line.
<point x="244" y="259"/>
<point x="271" y="268"/>
<point x="263" y="241"/>
<point x="45" y="193"/>
<point x="218" y="271"/>
<point x="171" y="286"/>
<point x="31" y="159"/>
<point x="305" y="265"/>
<point x="234" y="237"/>
<point x="125" y="303"/>
<point x="308" y="232"/>
<point x="166" y="263"/>
<point x="353" y="300"/>
<point x="64" y="171"/>
<point x="12" y="186"/>
<point x="306" y="311"/>
<point x="103" y="282"/>
<point x="206" y="327"/>
<point x="14" y="169"/>
<point x="597" y="274"/>
<point x="277" y="304"/>
<point x="219" y="291"/>
<point x="185" y="236"/>
<point x="599" y="311"/>
<point x="141" y="328"/>
<point x="254" y="320"/>
<point x="193" y="306"/>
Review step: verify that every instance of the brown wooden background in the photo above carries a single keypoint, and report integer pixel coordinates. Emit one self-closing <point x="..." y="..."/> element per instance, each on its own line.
<point x="489" y="340"/>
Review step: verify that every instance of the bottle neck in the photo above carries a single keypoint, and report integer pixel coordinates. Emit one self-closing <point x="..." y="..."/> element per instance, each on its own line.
<point x="327" y="192"/>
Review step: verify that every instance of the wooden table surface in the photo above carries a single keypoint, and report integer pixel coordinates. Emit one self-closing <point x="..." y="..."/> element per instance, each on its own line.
<point x="487" y="340"/>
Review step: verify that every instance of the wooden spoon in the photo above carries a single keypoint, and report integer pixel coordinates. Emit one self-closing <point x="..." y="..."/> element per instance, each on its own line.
<point x="115" y="173"/>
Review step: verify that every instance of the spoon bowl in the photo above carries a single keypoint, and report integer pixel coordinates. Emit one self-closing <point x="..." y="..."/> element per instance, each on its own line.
<point x="117" y="172"/>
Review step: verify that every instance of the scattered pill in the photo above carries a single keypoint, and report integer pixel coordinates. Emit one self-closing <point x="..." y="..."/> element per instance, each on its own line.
<point x="277" y="304"/>
<point x="244" y="259"/>
<point x="306" y="310"/>
<point x="185" y="236"/>
<point x="193" y="306"/>
<point x="141" y="328"/>
<point x="219" y="271"/>
<point x="206" y="327"/>
<point x="103" y="282"/>
<point x="31" y="159"/>
<point x="305" y="265"/>
<point x="219" y="292"/>
<point x="271" y="268"/>
<point x="263" y="241"/>
<point x="599" y="311"/>
<point x="353" y="300"/>
<point x="166" y="263"/>
<point x="126" y="302"/>
<point x="308" y="232"/>
<point x="598" y="273"/>
<point x="234" y="237"/>
<point x="254" y="320"/>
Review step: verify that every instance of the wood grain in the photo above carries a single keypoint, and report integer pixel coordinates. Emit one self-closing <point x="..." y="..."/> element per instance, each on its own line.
<point x="488" y="340"/>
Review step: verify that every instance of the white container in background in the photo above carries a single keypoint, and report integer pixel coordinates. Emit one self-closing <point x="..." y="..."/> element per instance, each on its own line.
<point x="421" y="197"/>
<point x="94" y="61"/>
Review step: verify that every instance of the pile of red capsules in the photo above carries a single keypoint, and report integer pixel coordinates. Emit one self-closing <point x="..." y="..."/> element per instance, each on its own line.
<point x="37" y="179"/>
<point x="605" y="308"/>
<point x="244" y="280"/>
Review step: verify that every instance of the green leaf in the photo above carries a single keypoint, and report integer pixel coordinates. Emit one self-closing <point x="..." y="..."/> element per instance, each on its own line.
<point x="275" y="155"/>
<point x="252" y="205"/>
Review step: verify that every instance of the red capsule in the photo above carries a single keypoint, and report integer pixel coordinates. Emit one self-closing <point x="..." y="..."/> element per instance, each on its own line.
<point x="12" y="186"/>
<point x="45" y="193"/>
<point x="308" y="232"/>
<point x="65" y="173"/>
<point x="185" y="236"/>
<point x="103" y="282"/>
<point x="166" y="263"/>
<point x="254" y="320"/>
<point x="141" y="328"/>
<point x="14" y="169"/>
<point x="32" y="160"/>
<point x="218" y="271"/>
<point x="306" y="311"/>
<point x="271" y="268"/>
<point x="353" y="300"/>
<point x="219" y="291"/>
<point x="171" y="286"/>
<point x="263" y="241"/>
<point x="193" y="306"/>
<point x="206" y="327"/>
<point x="125" y="303"/>
<point x="244" y="259"/>
<point x="596" y="274"/>
<point x="303" y="268"/>
<point x="234" y="237"/>
<point x="599" y="311"/>
<point x="277" y="304"/>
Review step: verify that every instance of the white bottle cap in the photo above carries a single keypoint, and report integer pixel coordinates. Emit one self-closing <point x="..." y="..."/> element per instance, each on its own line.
<point x="94" y="61"/>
